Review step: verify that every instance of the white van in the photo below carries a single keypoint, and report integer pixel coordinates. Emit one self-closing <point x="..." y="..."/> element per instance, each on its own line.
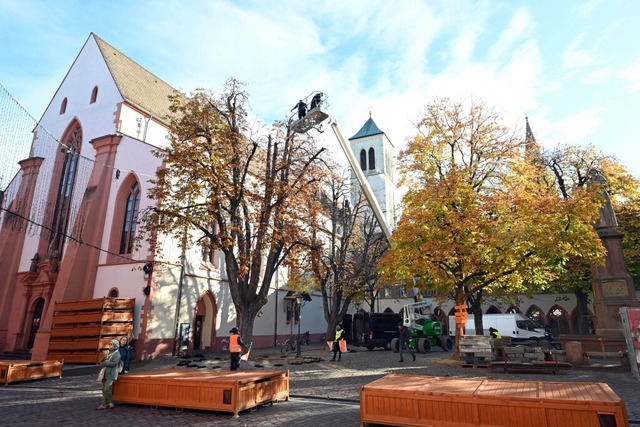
<point x="515" y="325"/>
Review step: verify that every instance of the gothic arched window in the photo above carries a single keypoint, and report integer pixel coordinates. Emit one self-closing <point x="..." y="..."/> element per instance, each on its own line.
<point x="68" y="164"/>
<point x="63" y="106"/>
<point x="363" y="160"/>
<point x="130" y="219"/>
<point x="372" y="159"/>
<point x="94" y="95"/>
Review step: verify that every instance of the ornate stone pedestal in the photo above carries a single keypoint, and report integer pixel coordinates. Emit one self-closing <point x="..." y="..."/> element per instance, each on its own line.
<point x="612" y="288"/>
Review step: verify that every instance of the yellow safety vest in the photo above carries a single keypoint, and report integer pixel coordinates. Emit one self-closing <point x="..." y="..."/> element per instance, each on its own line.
<point x="234" y="346"/>
<point x="339" y="335"/>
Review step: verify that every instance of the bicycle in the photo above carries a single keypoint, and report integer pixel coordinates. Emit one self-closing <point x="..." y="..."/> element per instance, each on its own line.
<point x="291" y="345"/>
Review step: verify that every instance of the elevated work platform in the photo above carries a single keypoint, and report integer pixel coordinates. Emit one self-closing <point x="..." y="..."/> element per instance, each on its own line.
<point x="312" y="120"/>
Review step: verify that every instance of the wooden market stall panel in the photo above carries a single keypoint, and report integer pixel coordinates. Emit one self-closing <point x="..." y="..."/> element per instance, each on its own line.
<point x="227" y="391"/>
<point x="407" y="400"/>
<point x="12" y="371"/>
<point x="81" y="330"/>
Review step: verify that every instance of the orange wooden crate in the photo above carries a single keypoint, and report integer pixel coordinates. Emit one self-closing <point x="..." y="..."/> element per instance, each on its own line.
<point x="227" y="391"/>
<point x="407" y="400"/>
<point x="92" y="317"/>
<point x="90" y="357"/>
<point x="71" y="344"/>
<point x="12" y="371"/>
<point x="92" y="330"/>
<point x="95" y="304"/>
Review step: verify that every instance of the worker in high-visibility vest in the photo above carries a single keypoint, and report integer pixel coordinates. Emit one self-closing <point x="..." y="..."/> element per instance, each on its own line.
<point x="236" y="345"/>
<point x="337" y="351"/>
<point x="493" y="333"/>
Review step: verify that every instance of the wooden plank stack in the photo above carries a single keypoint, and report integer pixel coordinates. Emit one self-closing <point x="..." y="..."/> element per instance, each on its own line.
<point x="81" y="330"/>
<point x="475" y="350"/>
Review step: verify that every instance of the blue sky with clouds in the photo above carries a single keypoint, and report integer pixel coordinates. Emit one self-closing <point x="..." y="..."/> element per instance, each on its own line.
<point x="573" y="67"/>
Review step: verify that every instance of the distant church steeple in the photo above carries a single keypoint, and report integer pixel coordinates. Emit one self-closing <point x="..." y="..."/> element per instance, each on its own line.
<point x="531" y="146"/>
<point x="374" y="151"/>
<point x="529" y="137"/>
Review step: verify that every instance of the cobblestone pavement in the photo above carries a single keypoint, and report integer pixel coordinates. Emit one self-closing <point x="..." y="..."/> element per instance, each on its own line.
<point x="322" y="392"/>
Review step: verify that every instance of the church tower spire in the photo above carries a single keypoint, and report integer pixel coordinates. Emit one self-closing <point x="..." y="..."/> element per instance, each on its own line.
<point x="374" y="151"/>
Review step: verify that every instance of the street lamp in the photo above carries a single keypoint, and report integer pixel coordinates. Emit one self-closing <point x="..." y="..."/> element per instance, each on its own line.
<point x="299" y="302"/>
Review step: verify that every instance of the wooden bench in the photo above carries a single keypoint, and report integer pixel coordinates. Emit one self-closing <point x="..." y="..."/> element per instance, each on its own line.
<point x="515" y="359"/>
<point x="623" y="356"/>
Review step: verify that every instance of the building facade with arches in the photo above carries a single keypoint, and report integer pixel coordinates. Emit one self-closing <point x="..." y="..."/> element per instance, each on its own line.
<point x="69" y="223"/>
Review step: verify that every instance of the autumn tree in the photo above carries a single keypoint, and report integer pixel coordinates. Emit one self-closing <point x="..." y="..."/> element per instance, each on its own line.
<point x="342" y="257"/>
<point x="570" y="169"/>
<point x="476" y="217"/>
<point x="628" y="214"/>
<point x="371" y="247"/>
<point x="237" y="193"/>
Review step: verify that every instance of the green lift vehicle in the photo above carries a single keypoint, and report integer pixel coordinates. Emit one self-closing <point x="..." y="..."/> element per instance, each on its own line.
<point x="426" y="332"/>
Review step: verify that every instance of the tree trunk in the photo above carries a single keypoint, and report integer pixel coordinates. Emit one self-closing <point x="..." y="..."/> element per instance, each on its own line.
<point x="582" y="312"/>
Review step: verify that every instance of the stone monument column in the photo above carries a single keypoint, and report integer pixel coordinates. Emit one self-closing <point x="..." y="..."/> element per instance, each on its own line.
<point x="612" y="286"/>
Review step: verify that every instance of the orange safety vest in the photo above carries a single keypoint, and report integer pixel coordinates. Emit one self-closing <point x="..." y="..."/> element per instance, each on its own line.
<point x="234" y="346"/>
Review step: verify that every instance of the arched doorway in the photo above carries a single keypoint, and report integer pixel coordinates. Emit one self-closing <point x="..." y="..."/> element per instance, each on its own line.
<point x="558" y="319"/>
<point x="36" y="317"/>
<point x="204" y="322"/>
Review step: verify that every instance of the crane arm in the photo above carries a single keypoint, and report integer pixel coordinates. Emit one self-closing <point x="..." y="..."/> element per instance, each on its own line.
<point x="366" y="188"/>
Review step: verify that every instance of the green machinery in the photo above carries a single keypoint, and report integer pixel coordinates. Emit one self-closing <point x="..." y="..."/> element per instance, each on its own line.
<point x="425" y="331"/>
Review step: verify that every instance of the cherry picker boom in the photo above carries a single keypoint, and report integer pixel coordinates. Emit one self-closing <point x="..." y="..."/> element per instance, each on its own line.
<point x="314" y="119"/>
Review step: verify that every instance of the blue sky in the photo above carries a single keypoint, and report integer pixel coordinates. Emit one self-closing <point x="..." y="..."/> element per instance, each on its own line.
<point x="573" y="67"/>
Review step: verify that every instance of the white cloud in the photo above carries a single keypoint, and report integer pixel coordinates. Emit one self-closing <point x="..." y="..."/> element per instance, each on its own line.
<point x="585" y="9"/>
<point x="578" y="126"/>
<point x="522" y="24"/>
<point x="631" y="75"/>
<point x="598" y="76"/>
<point x="574" y="58"/>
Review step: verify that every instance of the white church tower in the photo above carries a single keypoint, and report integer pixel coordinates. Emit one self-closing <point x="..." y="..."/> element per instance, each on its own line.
<point x="374" y="152"/>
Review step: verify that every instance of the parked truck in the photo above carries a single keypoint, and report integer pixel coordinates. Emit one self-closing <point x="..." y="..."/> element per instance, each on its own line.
<point x="426" y="332"/>
<point x="373" y="330"/>
<point x="515" y="325"/>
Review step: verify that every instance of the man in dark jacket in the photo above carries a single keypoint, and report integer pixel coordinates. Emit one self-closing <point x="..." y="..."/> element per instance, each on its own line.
<point x="405" y="336"/>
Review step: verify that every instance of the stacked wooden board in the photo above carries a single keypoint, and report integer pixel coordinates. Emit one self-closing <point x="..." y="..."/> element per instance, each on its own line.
<point x="81" y="330"/>
<point x="410" y="400"/>
<point x="226" y="391"/>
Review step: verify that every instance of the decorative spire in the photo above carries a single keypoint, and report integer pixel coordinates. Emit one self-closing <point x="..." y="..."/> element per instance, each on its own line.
<point x="531" y="146"/>
<point x="529" y="137"/>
